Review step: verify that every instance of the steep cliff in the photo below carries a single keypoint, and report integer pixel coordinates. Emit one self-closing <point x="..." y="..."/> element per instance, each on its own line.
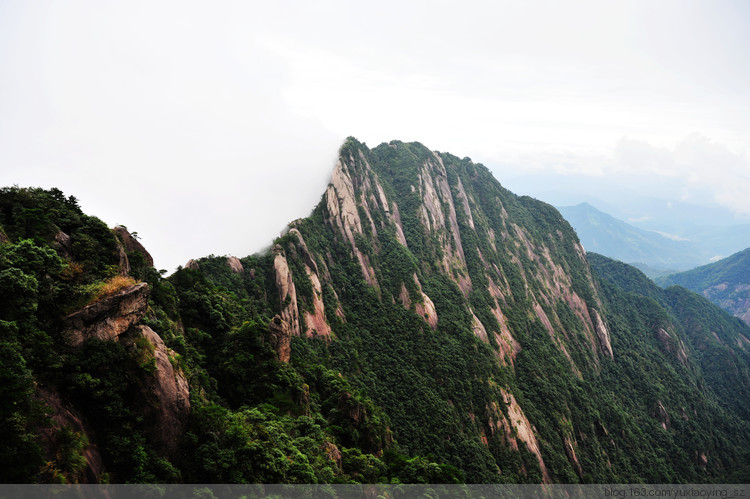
<point x="439" y="237"/>
<point x="446" y="297"/>
<point x="422" y="324"/>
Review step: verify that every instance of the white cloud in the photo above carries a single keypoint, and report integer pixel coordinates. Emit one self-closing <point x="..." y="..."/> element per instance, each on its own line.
<point x="207" y="128"/>
<point x="163" y="122"/>
<point x="703" y="164"/>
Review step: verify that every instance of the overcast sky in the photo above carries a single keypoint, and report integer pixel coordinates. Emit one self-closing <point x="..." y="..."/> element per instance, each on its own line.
<point x="207" y="126"/>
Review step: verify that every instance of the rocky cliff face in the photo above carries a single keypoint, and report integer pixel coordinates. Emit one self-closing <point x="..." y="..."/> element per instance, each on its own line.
<point x="420" y="302"/>
<point x="108" y="318"/>
<point x="407" y="215"/>
<point x="131" y="244"/>
<point x="439" y="238"/>
<point x="733" y="297"/>
<point x="448" y="210"/>
<point x="66" y="416"/>
<point x="280" y="338"/>
<point x="165" y="391"/>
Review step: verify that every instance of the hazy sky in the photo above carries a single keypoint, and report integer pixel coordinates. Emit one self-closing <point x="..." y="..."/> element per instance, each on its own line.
<point x="207" y="126"/>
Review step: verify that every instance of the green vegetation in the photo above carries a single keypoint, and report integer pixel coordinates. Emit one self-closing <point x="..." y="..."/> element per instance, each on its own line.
<point x="655" y="253"/>
<point x="391" y="397"/>
<point x="726" y="283"/>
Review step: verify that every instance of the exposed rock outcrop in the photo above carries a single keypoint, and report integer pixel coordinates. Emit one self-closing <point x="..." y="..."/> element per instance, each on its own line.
<point x="343" y="214"/>
<point x="435" y="192"/>
<point x="570" y="452"/>
<point x="603" y="334"/>
<point x="286" y="290"/>
<point x="396" y="217"/>
<point x="280" y="338"/>
<point x="132" y="244"/>
<point x="165" y="390"/>
<point x="192" y="264"/>
<point x="63" y="244"/>
<point x="517" y="427"/>
<point x="64" y="415"/>
<point x="660" y="413"/>
<point x="333" y="453"/>
<point x="733" y="297"/>
<point x="478" y="328"/>
<point x="674" y="346"/>
<point x="424" y="308"/>
<point x="235" y="264"/>
<point x="108" y="318"/>
<point x="341" y="203"/>
<point x="124" y="262"/>
<point x="315" y="321"/>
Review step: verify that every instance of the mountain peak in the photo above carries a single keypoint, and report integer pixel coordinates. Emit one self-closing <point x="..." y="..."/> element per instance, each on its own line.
<point x="423" y="324"/>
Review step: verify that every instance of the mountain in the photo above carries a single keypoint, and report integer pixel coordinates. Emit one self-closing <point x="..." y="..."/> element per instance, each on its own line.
<point x="676" y="209"/>
<point x="719" y="242"/>
<point x="422" y="324"/>
<point x="650" y="251"/>
<point x="726" y="283"/>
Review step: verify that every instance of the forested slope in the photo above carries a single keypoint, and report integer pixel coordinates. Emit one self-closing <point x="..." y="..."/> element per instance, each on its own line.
<point x="726" y="283"/>
<point x="423" y="324"/>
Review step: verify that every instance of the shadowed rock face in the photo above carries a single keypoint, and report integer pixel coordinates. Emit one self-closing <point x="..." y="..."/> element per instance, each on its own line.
<point x="281" y="338"/>
<point x="63" y="415"/>
<point x="166" y="391"/>
<point x="131" y="244"/>
<point x="108" y="318"/>
<point x="63" y="244"/>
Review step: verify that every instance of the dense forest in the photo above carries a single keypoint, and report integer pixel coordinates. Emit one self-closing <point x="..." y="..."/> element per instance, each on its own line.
<point x="422" y="325"/>
<point x="725" y="282"/>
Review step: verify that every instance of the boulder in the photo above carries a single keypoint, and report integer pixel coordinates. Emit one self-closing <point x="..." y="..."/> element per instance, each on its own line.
<point x="107" y="318"/>
<point x="63" y="244"/>
<point x="235" y="264"/>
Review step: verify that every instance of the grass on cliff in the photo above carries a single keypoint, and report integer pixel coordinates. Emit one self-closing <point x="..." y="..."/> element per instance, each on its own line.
<point x="103" y="289"/>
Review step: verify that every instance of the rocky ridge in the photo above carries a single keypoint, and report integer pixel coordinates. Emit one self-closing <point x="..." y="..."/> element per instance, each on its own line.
<point x="360" y="206"/>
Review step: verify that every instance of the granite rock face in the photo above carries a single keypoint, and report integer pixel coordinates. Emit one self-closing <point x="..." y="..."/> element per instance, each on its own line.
<point x="65" y="415"/>
<point x="165" y="390"/>
<point x="108" y="318"/>
<point x="286" y="290"/>
<point x="235" y="264"/>
<point x="132" y="244"/>
<point x="280" y="338"/>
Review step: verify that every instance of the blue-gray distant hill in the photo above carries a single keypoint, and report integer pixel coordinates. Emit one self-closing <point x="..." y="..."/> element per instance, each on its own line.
<point x="650" y="251"/>
<point x="726" y="283"/>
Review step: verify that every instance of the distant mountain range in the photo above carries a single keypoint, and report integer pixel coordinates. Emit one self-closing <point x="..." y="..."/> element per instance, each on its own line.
<point x="656" y="253"/>
<point x="726" y="283"/>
